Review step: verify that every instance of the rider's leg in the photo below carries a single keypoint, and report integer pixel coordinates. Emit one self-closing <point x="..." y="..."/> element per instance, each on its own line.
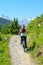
<point x="21" y="39"/>
<point x="25" y="42"/>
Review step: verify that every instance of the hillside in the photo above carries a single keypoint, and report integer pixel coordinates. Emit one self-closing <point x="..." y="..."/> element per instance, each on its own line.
<point x="35" y="31"/>
<point x="4" y="21"/>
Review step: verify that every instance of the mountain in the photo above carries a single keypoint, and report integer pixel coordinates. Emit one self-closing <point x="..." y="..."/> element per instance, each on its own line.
<point x="4" y="21"/>
<point x="24" y="21"/>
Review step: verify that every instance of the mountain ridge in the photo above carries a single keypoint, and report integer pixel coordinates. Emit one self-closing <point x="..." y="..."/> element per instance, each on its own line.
<point x="4" y="21"/>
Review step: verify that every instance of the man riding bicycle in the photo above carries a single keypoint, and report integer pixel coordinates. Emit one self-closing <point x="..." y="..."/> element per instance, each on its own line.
<point x="22" y="33"/>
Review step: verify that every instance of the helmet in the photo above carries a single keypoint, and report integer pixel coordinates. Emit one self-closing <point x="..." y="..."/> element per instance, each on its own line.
<point x="23" y="26"/>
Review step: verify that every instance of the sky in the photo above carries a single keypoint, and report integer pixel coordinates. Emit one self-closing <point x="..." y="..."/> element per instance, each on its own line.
<point x="21" y="9"/>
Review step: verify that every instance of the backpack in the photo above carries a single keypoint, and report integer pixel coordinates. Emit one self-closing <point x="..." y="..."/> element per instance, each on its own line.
<point x="22" y="30"/>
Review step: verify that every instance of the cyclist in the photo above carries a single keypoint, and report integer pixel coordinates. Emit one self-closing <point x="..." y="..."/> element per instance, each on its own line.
<point x="22" y="33"/>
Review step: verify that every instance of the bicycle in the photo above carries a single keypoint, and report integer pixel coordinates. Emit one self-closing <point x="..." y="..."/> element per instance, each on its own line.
<point x="23" y="43"/>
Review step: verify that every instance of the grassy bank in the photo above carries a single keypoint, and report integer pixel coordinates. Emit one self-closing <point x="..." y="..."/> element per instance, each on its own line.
<point x="4" y="49"/>
<point x="35" y="45"/>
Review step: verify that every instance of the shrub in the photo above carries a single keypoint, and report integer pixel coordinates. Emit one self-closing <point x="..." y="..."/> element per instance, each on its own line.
<point x="0" y="37"/>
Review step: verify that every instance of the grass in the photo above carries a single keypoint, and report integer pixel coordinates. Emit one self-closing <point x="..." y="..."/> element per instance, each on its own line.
<point x="4" y="50"/>
<point x="34" y="50"/>
<point x="36" y="36"/>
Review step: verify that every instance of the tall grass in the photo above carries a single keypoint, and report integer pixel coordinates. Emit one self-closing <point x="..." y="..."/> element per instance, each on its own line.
<point x="4" y="49"/>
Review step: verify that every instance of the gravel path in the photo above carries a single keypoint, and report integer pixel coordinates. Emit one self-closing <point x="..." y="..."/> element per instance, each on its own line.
<point x="18" y="57"/>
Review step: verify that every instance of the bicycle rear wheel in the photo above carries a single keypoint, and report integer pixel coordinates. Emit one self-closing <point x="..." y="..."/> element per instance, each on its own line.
<point x="23" y="45"/>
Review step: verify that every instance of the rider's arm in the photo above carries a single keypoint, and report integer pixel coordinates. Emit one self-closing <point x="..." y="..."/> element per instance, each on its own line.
<point x="19" y="32"/>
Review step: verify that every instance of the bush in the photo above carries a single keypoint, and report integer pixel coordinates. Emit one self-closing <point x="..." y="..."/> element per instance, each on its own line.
<point x="0" y="37"/>
<point x="16" y="31"/>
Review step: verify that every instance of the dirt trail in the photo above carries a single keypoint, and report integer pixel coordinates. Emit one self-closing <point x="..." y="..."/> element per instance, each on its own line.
<point x="18" y="57"/>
